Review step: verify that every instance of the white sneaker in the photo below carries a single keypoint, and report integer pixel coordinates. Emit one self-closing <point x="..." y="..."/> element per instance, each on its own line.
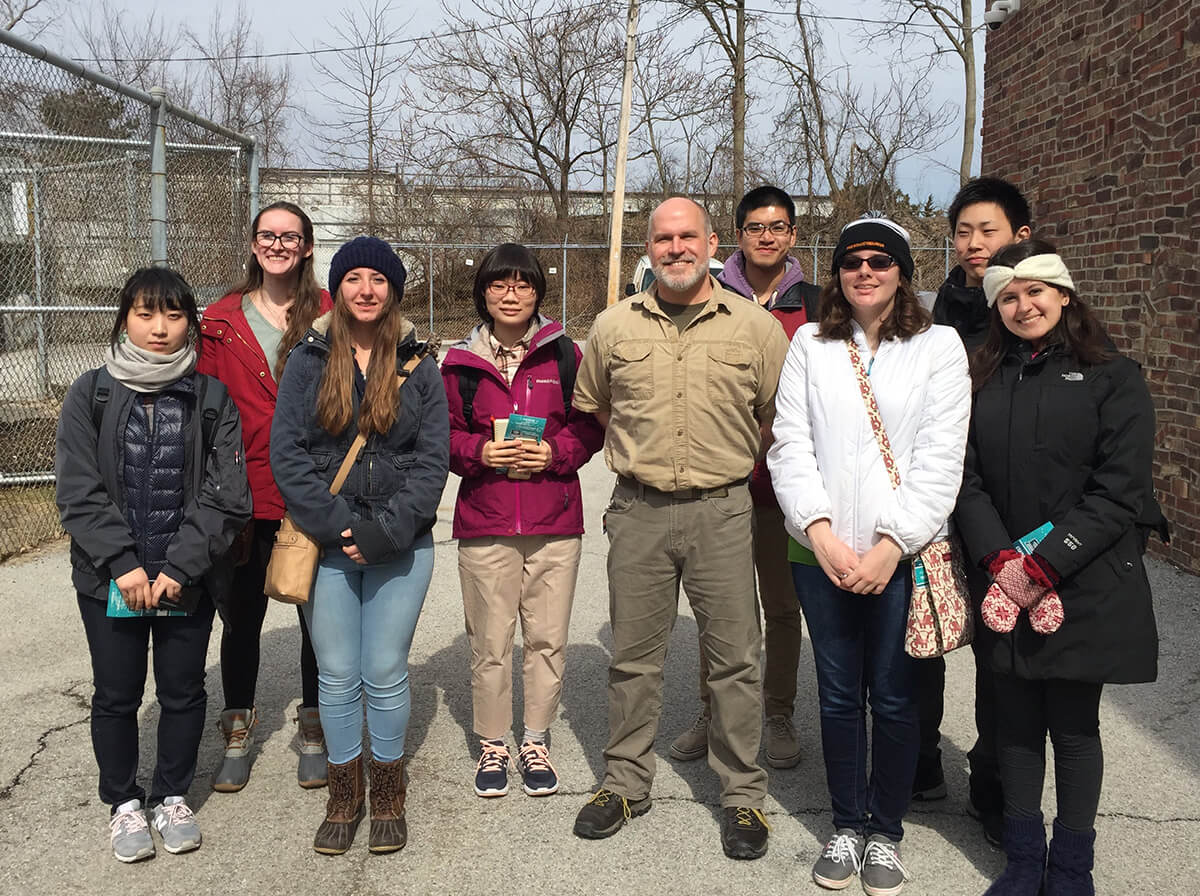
<point x="176" y="824"/>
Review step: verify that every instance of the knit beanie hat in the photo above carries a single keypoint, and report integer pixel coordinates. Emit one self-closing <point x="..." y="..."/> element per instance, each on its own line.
<point x="875" y="231"/>
<point x="367" y="252"/>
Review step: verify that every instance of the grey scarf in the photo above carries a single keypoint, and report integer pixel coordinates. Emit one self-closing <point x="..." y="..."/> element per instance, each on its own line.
<point x="143" y="371"/>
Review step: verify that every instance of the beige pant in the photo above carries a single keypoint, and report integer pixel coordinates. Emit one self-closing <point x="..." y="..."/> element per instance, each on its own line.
<point x="656" y="543"/>
<point x="532" y="576"/>
<point x="781" y="616"/>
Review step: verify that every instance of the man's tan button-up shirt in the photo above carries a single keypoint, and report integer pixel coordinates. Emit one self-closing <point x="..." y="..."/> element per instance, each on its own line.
<point x="685" y="409"/>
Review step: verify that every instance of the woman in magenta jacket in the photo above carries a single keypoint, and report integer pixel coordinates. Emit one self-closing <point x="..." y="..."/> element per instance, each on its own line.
<point x="246" y="336"/>
<point x="519" y="515"/>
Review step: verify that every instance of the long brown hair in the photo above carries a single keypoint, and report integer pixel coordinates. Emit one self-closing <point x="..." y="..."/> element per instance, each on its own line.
<point x="908" y="316"/>
<point x="335" y="400"/>
<point x="306" y="298"/>
<point x="1078" y="330"/>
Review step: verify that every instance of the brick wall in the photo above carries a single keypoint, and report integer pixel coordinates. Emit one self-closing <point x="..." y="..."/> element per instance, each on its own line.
<point x="1093" y="109"/>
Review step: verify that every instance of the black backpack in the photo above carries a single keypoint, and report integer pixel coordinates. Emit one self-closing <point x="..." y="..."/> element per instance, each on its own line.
<point x="564" y="353"/>
<point x="209" y="400"/>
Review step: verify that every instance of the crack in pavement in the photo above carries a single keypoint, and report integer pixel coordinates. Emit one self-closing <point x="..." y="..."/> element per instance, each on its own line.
<point x="70" y="693"/>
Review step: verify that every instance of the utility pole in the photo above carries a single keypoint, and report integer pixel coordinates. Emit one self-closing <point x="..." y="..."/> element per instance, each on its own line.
<point x="618" y="202"/>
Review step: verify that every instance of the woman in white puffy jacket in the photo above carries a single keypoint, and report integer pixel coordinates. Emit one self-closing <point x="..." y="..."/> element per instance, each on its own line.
<point x="853" y="533"/>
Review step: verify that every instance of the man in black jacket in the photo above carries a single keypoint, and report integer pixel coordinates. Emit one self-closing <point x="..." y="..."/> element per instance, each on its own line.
<point x="987" y="214"/>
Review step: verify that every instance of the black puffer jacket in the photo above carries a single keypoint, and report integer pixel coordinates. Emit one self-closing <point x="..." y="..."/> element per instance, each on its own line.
<point x="391" y="494"/>
<point x="1053" y="440"/>
<point x="152" y="475"/>
<point x="963" y="307"/>
<point x="93" y="499"/>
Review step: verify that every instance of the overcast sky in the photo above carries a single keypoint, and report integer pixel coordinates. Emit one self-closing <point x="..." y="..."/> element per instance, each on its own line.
<point x="300" y="25"/>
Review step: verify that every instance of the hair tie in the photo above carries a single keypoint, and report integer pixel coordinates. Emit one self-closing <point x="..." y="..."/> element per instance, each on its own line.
<point x="1047" y="268"/>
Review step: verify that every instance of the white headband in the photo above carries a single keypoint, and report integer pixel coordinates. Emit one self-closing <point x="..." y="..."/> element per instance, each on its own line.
<point x="1047" y="268"/>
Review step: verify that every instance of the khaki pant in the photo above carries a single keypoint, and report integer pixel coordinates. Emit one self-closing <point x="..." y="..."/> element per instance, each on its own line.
<point x="656" y="542"/>
<point x="532" y="576"/>
<point x="781" y="616"/>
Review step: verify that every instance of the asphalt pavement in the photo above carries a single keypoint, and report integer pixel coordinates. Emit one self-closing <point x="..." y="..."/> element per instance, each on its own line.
<point x="54" y="834"/>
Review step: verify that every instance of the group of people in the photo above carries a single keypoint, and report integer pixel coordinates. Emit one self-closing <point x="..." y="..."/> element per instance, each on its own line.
<point x="764" y="431"/>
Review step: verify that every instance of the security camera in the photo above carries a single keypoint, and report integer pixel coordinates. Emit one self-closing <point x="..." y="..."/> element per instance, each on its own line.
<point x="999" y="13"/>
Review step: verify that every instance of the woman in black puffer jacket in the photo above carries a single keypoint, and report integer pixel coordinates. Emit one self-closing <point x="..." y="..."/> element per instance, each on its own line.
<point x="1062" y="433"/>
<point x="151" y="487"/>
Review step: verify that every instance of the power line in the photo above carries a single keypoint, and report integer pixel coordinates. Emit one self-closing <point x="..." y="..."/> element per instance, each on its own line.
<point x="478" y="29"/>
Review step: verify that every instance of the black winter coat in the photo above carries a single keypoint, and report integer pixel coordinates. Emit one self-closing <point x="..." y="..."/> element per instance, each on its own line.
<point x="91" y="494"/>
<point x="391" y="494"/>
<point x="963" y="307"/>
<point x="1054" y="440"/>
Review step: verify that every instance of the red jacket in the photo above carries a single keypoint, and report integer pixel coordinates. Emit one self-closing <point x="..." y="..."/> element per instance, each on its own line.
<point x="489" y="503"/>
<point x="229" y="351"/>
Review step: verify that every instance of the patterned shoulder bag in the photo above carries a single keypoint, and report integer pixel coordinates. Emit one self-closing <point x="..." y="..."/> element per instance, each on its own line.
<point x="939" y="615"/>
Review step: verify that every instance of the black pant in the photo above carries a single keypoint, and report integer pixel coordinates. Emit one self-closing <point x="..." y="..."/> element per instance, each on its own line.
<point x="930" y="678"/>
<point x="244" y="614"/>
<point x="119" y="649"/>
<point x="1070" y="711"/>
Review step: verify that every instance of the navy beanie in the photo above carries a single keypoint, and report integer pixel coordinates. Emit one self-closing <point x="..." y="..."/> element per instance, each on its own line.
<point x="874" y="231"/>
<point x="367" y="252"/>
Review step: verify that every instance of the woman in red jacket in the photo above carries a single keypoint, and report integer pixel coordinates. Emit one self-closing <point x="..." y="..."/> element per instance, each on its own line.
<point x="246" y="337"/>
<point x="519" y="515"/>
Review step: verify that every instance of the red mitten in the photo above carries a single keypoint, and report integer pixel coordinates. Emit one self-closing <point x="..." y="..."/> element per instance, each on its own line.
<point x="999" y="611"/>
<point x="1015" y="582"/>
<point x="1046" y="616"/>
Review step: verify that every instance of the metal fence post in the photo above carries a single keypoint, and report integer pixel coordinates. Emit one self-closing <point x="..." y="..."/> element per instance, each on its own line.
<point x="39" y="297"/>
<point x="254" y="183"/>
<point x="816" y="241"/>
<point x="429" y="277"/>
<point x="158" y="176"/>
<point x="563" y="280"/>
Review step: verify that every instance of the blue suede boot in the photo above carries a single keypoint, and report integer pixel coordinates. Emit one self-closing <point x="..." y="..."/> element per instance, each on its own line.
<point x="1025" y="847"/>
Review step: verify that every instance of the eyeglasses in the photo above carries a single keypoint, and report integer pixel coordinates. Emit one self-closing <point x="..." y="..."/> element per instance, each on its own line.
<point x="266" y="239"/>
<point x="874" y="262"/>
<point x="777" y="228"/>
<point x="498" y="289"/>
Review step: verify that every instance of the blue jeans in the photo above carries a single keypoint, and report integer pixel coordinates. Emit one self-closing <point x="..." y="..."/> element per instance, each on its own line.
<point x="858" y="646"/>
<point x="362" y="620"/>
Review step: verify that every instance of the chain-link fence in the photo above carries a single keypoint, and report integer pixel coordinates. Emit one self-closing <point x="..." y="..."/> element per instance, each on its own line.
<point x="97" y="179"/>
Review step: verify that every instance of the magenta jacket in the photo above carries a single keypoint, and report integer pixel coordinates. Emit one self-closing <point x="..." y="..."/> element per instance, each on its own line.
<point x="489" y="503"/>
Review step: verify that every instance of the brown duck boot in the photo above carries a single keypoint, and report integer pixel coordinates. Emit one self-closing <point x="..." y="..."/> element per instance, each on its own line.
<point x="389" y="830"/>
<point x="344" y="808"/>
<point x="314" y="761"/>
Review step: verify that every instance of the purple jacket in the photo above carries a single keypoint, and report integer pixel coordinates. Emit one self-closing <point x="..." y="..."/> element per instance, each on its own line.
<point x="489" y="503"/>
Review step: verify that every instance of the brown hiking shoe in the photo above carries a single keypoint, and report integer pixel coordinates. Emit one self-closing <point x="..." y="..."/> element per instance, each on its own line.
<point x="389" y="830"/>
<point x="343" y="809"/>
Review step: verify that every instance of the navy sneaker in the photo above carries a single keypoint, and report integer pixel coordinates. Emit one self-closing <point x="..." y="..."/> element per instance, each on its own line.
<point x="491" y="774"/>
<point x="538" y="775"/>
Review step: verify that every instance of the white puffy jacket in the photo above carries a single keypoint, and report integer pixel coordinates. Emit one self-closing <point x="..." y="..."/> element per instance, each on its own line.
<point x="825" y="462"/>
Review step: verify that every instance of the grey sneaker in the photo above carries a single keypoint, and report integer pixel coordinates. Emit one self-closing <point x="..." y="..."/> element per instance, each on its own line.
<point x="783" y="747"/>
<point x="882" y="873"/>
<point x="693" y="743"/>
<point x="130" y="834"/>
<point x="176" y="825"/>
<point x="840" y="861"/>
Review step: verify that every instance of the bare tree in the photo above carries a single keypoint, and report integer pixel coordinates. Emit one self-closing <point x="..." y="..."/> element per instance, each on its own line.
<point x="34" y="15"/>
<point x="682" y="148"/>
<point x="953" y="34"/>
<point x="727" y="23"/>
<point x="136" y="53"/>
<point x="847" y="138"/>
<point x="365" y="93"/>
<point x="240" y="89"/>
<point x="513" y="92"/>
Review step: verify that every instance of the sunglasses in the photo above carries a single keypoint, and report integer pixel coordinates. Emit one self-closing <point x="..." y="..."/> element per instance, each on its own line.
<point x="874" y="262"/>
